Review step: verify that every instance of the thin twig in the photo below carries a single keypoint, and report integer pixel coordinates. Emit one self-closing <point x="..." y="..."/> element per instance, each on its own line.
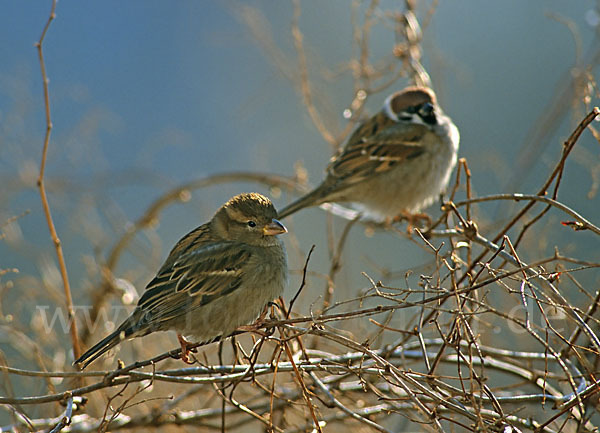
<point x="41" y="186"/>
<point x="584" y="223"/>
<point x="302" y="284"/>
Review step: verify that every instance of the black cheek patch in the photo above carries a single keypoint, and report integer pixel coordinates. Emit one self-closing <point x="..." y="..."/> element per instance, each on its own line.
<point x="429" y="119"/>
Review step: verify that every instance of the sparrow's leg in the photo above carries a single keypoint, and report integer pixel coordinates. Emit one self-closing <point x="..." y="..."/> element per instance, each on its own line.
<point x="418" y="219"/>
<point x="258" y="322"/>
<point x="185" y="349"/>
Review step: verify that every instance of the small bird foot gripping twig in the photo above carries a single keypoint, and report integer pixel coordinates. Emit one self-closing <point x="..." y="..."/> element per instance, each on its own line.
<point x="186" y="349"/>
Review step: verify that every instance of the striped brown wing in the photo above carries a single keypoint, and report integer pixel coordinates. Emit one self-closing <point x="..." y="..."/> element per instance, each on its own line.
<point x="196" y="272"/>
<point x="366" y="155"/>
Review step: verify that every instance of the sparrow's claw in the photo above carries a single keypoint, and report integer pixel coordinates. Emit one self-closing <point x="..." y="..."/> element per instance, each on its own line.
<point x="260" y="321"/>
<point x="414" y="220"/>
<point x="186" y="349"/>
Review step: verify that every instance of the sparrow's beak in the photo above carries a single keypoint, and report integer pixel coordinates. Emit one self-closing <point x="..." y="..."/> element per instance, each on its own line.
<point x="274" y="228"/>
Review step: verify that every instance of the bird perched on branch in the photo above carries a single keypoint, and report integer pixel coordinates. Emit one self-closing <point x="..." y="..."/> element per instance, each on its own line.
<point x="217" y="278"/>
<point x="394" y="164"/>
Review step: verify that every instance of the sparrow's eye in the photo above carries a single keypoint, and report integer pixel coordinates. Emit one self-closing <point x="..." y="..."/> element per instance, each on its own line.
<point x="426" y="110"/>
<point x="427" y="113"/>
<point x="251" y="223"/>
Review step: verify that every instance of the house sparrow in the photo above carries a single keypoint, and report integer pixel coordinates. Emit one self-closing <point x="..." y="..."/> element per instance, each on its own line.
<point x="217" y="278"/>
<point x="395" y="163"/>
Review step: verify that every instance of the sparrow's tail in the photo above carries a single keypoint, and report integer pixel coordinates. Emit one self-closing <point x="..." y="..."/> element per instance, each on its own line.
<point x="313" y="198"/>
<point x="126" y="330"/>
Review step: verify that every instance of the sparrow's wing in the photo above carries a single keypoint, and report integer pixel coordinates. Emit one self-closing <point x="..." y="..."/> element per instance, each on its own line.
<point x="198" y="271"/>
<point x="372" y="150"/>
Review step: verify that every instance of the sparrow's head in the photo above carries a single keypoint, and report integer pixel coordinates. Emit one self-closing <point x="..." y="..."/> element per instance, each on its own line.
<point x="249" y="218"/>
<point x="413" y="104"/>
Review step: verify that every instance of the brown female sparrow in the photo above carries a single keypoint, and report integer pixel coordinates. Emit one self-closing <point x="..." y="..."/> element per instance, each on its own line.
<point x="395" y="163"/>
<point x="217" y="278"/>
